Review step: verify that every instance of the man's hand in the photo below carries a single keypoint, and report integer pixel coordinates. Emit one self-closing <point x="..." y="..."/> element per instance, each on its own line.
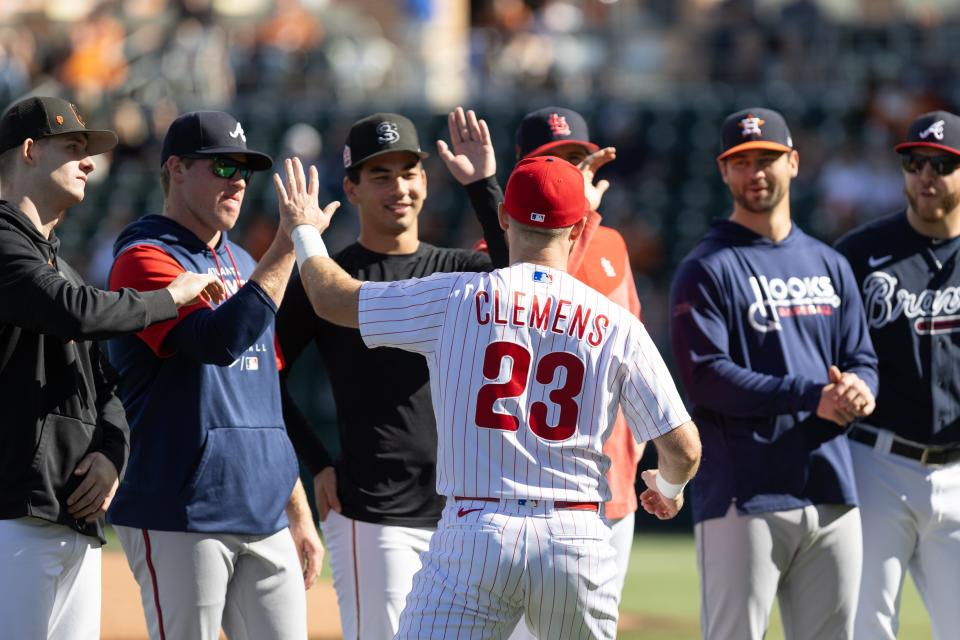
<point x="654" y="502"/>
<point x="189" y="288"/>
<point x="300" y="200"/>
<point x="473" y="157"/>
<point x="589" y="167"/>
<point x="304" y="533"/>
<point x="92" y="498"/>
<point x="325" y="492"/>
<point x="845" y="398"/>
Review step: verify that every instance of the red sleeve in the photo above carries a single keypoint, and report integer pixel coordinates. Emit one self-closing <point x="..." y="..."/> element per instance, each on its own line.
<point x="146" y="267"/>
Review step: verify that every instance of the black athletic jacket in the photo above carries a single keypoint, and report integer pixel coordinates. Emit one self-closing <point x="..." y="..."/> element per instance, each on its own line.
<point x="57" y="392"/>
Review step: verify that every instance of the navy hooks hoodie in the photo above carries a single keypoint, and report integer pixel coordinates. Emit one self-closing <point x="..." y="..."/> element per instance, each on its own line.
<point x="755" y="327"/>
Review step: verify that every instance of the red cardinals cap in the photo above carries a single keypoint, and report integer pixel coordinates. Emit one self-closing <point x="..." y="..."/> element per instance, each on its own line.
<point x="936" y="130"/>
<point x="545" y="192"/>
<point x="543" y="129"/>
<point x="755" y="128"/>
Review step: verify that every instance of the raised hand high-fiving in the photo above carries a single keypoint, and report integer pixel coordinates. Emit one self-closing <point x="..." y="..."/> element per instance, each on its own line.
<point x="472" y="157"/>
<point x="299" y="199"/>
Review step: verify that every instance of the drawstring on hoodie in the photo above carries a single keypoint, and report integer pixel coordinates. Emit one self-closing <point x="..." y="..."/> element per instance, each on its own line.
<point x="236" y="269"/>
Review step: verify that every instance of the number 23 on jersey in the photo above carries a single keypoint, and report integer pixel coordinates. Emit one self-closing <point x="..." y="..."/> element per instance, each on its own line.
<point x="547" y="367"/>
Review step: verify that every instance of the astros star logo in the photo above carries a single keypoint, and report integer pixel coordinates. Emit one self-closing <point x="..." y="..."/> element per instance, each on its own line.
<point x="751" y="125"/>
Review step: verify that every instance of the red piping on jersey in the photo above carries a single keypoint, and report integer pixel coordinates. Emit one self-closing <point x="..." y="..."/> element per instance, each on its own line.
<point x="153" y="580"/>
<point x="356" y="573"/>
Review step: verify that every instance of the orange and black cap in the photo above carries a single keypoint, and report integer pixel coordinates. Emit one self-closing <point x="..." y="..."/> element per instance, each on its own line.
<point x="755" y="128"/>
<point x="42" y="117"/>
<point x="934" y="130"/>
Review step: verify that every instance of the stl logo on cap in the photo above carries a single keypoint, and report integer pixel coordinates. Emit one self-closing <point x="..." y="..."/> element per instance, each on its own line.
<point x="346" y="155"/>
<point x="751" y="125"/>
<point x="387" y="132"/>
<point x="558" y="125"/>
<point x="935" y="129"/>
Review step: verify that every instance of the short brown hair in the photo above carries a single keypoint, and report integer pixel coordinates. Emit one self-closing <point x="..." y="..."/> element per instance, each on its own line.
<point x="165" y="174"/>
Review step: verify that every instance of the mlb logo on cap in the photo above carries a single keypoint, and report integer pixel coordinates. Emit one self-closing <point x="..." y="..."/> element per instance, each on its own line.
<point x="545" y="192"/>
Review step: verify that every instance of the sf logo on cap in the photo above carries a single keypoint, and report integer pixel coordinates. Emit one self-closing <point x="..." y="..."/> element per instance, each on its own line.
<point x="387" y="133"/>
<point x="936" y="129"/>
<point x="558" y="125"/>
<point x="751" y="126"/>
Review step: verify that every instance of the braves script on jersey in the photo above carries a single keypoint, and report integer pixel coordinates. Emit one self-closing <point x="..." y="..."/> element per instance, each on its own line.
<point x="527" y="365"/>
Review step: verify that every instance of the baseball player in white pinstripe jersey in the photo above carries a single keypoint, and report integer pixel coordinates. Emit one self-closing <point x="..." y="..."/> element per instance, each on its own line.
<point x="528" y="367"/>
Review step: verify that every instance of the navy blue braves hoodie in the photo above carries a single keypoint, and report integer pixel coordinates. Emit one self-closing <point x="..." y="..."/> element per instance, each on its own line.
<point x="755" y="327"/>
<point x="208" y="447"/>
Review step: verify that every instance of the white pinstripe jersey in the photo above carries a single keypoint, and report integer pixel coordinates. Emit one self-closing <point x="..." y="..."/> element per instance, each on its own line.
<point x="527" y="368"/>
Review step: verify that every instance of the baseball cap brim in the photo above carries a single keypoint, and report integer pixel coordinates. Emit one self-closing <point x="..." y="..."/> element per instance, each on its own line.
<point x="754" y="144"/>
<point x="903" y="146"/>
<point x="255" y="160"/>
<point x="98" y="140"/>
<point x="542" y="149"/>
<point x="421" y="154"/>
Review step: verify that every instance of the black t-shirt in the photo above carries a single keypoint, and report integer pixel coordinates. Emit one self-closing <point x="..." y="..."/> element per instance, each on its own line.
<point x="386" y="471"/>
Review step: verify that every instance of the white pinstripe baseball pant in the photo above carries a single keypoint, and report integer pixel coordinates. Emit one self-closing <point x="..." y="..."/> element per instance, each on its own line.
<point x="489" y="562"/>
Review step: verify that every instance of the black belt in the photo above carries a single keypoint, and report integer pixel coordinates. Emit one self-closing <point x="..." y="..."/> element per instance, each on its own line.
<point x="923" y="455"/>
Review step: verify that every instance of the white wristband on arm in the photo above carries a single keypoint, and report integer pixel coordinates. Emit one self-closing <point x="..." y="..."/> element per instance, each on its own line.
<point x="307" y="243"/>
<point x="667" y="489"/>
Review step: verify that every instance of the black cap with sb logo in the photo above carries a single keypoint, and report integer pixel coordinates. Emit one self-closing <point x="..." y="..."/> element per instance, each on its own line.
<point x="42" y="117"/>
<point x="377" y="134"/>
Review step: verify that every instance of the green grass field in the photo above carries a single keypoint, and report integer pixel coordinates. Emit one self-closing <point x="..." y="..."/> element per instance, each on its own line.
<point x="662" y="594"/>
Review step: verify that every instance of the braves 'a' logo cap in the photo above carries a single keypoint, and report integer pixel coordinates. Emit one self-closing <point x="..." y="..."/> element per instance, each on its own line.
<point x="210" y="133"/>
<point x="378" y="134"/>
<point x="41" y="117"/>
<point x="934" y="130"/>
<point x="754" y="128"/>
<point x="543" y="129"/>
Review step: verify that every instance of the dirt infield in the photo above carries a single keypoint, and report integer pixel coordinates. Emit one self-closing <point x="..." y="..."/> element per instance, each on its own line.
<point x="122" y="613"/>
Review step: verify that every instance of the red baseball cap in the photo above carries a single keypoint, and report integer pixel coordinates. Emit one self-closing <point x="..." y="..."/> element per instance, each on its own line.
<point x="545" y="192"/>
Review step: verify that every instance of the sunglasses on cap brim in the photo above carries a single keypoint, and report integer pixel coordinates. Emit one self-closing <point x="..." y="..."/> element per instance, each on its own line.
<point x="225" y="168"/>
<point x="941" y="165"/>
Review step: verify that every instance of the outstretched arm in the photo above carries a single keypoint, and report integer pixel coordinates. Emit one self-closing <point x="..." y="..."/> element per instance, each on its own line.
<point x="471" y="160"/>
<point x="333" y="294"/>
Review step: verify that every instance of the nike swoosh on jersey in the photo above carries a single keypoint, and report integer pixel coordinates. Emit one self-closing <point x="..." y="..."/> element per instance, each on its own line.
<point x="462" y="512"/>
<point x="876" y="262"/>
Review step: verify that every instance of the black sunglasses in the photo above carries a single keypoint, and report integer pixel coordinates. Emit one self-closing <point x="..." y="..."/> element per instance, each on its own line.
<point x="225" y="167"/>
<point x="942" y="165"/>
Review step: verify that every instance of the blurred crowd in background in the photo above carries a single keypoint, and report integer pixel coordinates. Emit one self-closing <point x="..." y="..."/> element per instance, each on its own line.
<point x="654" y="78"/>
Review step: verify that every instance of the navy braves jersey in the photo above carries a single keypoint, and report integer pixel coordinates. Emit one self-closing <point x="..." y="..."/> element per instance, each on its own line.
<point x="755" y="327"/>
<point x="911" y="293"/>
